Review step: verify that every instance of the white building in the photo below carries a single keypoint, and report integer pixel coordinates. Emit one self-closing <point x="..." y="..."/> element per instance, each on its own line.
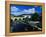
<point x="29" y="16"/>
<point x="21" y="17"/>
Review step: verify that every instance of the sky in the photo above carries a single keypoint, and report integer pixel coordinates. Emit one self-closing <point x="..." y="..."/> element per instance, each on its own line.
<point x="23" y="9"/>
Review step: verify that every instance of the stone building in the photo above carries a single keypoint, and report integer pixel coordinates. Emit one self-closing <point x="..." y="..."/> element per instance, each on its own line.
<point x="21" y="17"/>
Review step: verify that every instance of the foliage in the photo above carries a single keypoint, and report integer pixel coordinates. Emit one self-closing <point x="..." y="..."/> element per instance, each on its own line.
<point x="35" y="17"/>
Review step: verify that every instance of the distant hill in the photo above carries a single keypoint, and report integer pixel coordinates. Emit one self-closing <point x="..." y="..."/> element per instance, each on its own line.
<point x="20" y="15"/>
<point x="12" y="15"/>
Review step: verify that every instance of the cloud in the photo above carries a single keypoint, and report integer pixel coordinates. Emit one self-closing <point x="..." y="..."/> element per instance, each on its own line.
<point x="14" y="9"/>
<point x="25" y="10"/>
<point x="29" y="10"/>
<point x="17" y="11"/>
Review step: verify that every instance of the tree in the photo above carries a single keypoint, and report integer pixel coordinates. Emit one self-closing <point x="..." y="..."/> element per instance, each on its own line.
<point x="40" y="20"/>
<point x="35" y="17"/>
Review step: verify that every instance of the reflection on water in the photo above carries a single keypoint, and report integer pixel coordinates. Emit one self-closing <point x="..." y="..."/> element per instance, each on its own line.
<point x="19" y="26"/>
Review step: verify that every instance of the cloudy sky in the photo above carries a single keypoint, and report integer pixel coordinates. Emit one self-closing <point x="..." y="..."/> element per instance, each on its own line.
<point x="23" y="9"/>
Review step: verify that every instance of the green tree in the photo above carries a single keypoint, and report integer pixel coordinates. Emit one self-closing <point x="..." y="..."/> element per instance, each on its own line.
<point x="35" y="16"/>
